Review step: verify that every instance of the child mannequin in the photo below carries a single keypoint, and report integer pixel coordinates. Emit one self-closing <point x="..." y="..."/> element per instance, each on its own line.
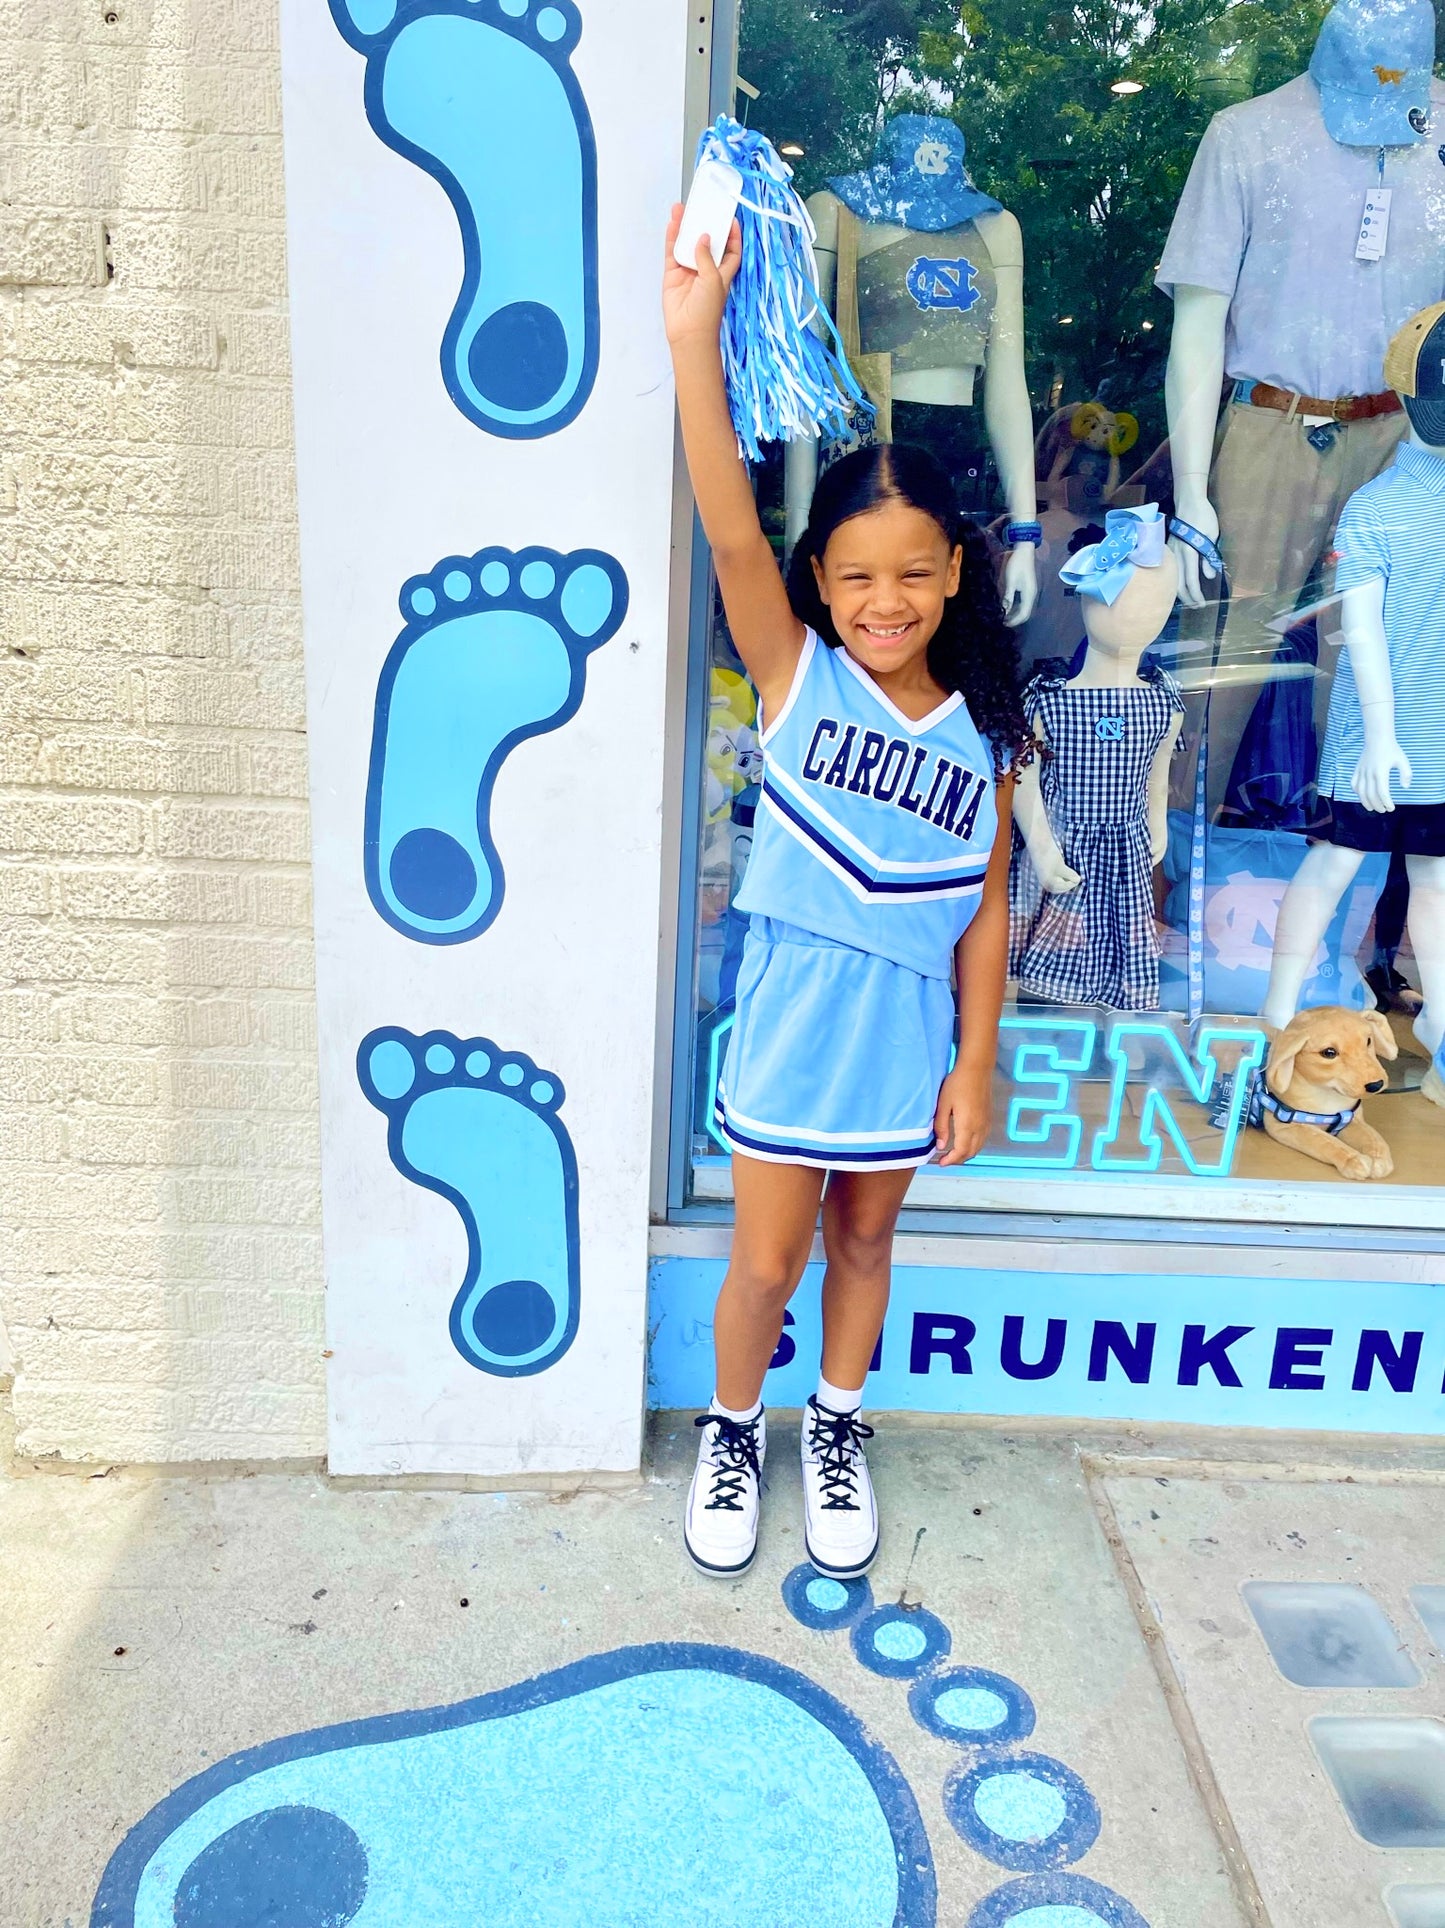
<point x="1093" y="823"/>
<point x="1383" y="764"/>
<point x="879" y="871"/>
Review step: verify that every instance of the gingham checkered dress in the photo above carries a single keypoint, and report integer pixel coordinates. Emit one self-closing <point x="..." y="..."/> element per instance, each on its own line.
<point x="1096" y="944"/>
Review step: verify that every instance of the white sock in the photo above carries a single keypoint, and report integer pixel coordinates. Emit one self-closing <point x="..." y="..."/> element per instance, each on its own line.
<point x="739" y="1418"/>
<point x="835" y="1399"/>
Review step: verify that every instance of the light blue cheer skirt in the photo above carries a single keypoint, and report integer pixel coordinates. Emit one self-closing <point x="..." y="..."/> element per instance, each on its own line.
<point x="835" y="1057"/>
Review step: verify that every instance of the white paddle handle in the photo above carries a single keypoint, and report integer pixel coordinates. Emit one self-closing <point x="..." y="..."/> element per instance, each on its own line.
<point x="711" y="204"/>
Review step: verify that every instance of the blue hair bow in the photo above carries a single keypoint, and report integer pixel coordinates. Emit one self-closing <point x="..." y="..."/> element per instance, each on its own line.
<point x="1133" y="539"/>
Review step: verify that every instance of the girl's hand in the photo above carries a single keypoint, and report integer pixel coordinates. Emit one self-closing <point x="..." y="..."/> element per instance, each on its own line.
<point x="965" y="1111"/>
<point x="693" y="299"/>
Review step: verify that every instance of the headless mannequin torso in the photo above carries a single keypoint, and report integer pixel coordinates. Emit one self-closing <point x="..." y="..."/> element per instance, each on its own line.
<point x="1008" y="419"/>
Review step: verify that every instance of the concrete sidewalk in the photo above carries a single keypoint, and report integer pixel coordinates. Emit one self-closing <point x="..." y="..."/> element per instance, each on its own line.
<point x="1073" y="1719"/>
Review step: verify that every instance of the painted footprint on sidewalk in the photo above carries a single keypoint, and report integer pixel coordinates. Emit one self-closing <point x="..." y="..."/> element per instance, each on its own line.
<point x="480" y="95"/>
<point x="494" y="650"/>
<point x="1024" y="1811"/>
<point x="665" y="1786"/>
<point x="479" y="1126"/>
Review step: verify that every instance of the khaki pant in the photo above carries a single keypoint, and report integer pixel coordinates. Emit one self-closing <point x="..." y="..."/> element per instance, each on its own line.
<point x="1279" y="500"/>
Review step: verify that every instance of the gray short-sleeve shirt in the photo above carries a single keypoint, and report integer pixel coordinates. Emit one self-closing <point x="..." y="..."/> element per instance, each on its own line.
<point x="1270" y="216"/>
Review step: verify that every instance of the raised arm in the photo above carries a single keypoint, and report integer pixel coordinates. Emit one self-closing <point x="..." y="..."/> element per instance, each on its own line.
<point x="767" y="634"/>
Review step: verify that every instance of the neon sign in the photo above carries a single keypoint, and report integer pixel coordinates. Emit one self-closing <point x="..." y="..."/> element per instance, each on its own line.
<point x="1048" y="1059"/>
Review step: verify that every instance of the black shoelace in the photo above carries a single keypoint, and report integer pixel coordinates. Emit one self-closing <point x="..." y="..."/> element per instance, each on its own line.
<point x="837" y="1439"/>
<point x="735" y="1456"/>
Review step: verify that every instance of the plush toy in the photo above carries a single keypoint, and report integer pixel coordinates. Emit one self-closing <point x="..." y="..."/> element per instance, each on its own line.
<point x="784" y="366"/>
<point x="734" y="759"/>
<point x="1319" y="1070"/>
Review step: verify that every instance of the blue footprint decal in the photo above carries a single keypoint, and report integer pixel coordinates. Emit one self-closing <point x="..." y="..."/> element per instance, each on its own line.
<point x="480" y="1127"/>
<point x="480" y="95"/>
<point x="665" y="1786"/>
<point x="1022" y="1811"/>
<point x="494" y="650"/>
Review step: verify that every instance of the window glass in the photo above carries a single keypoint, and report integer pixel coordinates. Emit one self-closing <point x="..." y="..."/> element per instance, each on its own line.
<point x="1227" y="971"/>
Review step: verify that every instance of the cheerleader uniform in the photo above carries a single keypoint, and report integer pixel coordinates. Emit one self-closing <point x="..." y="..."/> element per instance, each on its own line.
<point x="872" y="839"/>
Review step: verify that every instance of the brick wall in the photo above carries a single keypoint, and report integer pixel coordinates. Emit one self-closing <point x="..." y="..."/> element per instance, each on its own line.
<point x="160" y="1276"/>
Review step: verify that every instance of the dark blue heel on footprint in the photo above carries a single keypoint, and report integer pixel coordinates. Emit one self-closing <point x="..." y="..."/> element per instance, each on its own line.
<point x="479" y="1126"/>
<point x="494" y="651"/>
<point x="1023" y="1811"/>
<point x="606" y="1792"/>
<point x="480" y="95"/>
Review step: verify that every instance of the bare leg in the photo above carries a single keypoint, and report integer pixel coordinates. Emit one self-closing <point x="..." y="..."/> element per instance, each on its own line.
<point x="860" y="1210"/>
<point x="1305" y="911"/>
<point x="1427" y="940"/>
<point x="776" y="1214"/>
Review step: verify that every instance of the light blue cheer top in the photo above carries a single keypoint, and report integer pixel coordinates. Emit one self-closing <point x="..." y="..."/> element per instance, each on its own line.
<point x="873" y="829"/>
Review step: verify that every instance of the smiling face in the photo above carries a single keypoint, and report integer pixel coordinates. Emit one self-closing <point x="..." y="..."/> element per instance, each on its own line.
<point x="885" y="576"/>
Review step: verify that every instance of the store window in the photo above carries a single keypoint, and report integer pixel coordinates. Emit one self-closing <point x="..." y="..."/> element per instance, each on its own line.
<point x="1139" y="267"/>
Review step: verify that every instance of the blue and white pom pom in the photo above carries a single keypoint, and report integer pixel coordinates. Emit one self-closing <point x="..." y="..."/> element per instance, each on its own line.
<point x="786" y="373"/>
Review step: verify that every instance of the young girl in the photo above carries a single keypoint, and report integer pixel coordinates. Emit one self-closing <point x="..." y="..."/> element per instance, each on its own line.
<point x="879" y="872"/>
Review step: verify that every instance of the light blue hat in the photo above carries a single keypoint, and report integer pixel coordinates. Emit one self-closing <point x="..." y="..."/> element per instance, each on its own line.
<point x="1372" y="64"/>
<point x="918" y="179"/>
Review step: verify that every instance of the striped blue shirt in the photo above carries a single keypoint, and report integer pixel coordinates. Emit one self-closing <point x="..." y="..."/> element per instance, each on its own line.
<point x="874" y="829"/>
<point x="1395" y="527"/>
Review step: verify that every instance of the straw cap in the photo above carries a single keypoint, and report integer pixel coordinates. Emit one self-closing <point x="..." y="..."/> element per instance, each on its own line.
<point x="1415" y="369"/>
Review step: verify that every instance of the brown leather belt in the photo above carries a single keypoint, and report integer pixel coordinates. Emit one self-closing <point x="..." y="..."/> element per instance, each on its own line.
<point x="1346" y="408"/>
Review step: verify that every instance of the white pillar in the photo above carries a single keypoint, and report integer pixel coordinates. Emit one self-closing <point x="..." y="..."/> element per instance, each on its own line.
<point x="394" y="478"/>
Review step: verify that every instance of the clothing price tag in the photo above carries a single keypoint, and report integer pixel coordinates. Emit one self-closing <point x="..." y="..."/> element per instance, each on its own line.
<point x="1374" y="225"/>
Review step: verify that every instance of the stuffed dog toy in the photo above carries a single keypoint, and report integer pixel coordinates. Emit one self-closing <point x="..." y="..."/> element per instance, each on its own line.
<point x="1320" y="1067"/>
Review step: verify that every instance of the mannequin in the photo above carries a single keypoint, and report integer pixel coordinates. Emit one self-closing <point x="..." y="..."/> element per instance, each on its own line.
<point x="940" y="218"/>
<point x="1383" y="764"/>
<point x="1112" y="730"/>
<point x="1272" y="289"/>
<point x="1273" y="296"/>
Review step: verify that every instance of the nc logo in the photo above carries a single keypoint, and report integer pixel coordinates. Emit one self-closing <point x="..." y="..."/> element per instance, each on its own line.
<point x="1110" y="729"/>
<point x="942" y="284"/>
<point x="931" y="157"/>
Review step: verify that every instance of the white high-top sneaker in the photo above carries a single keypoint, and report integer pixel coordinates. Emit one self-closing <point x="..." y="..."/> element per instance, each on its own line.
<point x="840" y="1514"/>
<point x="720" y="1527"/>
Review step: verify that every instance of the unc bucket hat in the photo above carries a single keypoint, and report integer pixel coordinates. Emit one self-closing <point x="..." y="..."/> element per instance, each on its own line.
<point x="918" y="179"/>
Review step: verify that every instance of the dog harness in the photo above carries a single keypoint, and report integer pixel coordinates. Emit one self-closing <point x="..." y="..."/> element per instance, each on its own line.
<point x="1261" y="1100"/>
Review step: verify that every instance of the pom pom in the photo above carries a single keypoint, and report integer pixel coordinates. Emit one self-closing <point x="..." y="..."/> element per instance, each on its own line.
<point x="786" y="373"/>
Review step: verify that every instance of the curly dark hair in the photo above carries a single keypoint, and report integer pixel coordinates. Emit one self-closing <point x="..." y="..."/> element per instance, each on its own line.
<point x="973" y="650"/>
